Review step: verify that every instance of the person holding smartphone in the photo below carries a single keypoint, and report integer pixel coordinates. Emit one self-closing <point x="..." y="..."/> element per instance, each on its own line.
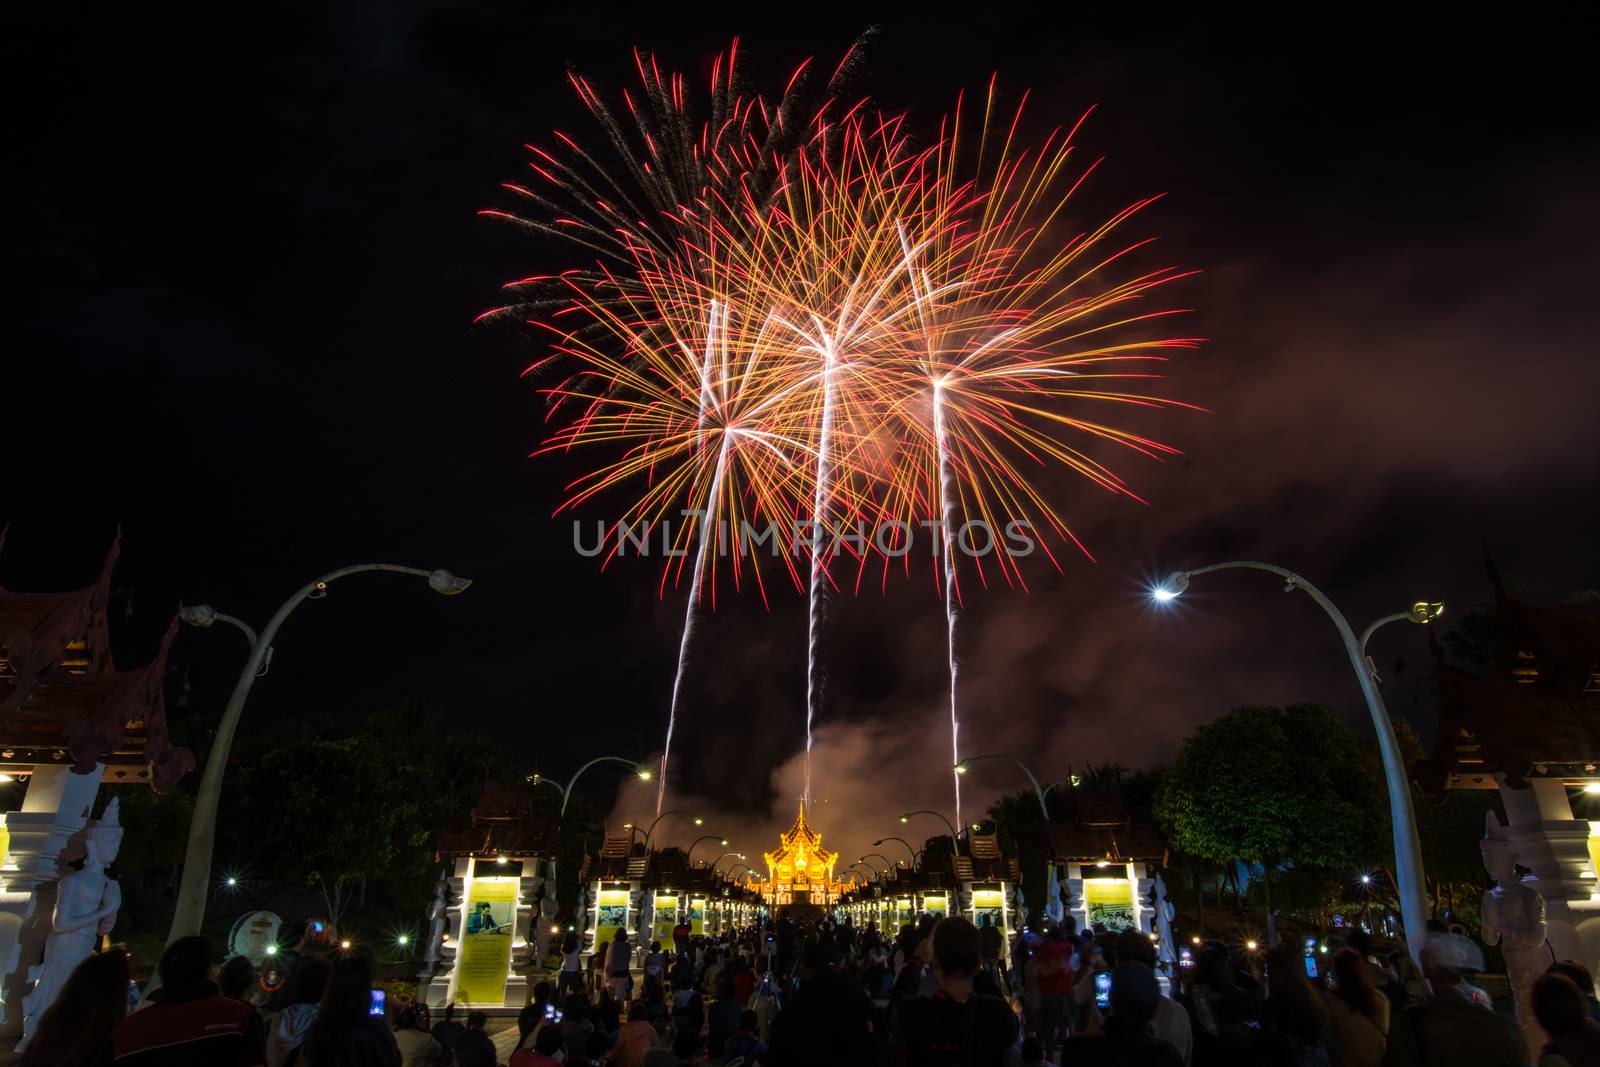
<point x="1126" y="1039"/>
<point x="346" y="1032"/>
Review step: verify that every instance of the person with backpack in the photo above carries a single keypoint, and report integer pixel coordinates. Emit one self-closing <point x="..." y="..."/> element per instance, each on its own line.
<point x="956" y="1027"/>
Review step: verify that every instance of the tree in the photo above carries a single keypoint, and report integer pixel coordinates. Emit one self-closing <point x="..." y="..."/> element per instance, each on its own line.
<point x="343" y="810"/>
<point x="1271" y="786"/>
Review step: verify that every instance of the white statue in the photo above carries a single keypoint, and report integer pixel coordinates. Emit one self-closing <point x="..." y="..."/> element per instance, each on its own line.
<point x="86" y="907"/>
<point x="1514" y="918"/>
<point x="1053" y="908"/>
<point x="1165" y="913"/>
<point x="438" y="915"/>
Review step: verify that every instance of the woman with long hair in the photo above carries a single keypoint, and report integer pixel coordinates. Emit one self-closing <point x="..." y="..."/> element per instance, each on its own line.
<point x="75" y="1030"/>
<point x="1359" y="1013"/>
<point x="1296" y="1020"/>
<point x="345" y="1035"/>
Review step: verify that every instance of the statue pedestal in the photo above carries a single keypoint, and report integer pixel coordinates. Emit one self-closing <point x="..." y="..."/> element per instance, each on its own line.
<point x="46" y="835"/>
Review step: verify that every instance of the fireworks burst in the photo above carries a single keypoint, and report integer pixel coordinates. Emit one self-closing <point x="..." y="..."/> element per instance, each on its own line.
<point x="797" y="313"/>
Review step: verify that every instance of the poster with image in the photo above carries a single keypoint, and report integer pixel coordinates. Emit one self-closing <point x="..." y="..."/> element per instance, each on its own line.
<point x="1110" y="904"/>
<point x="611" y="915"/>
<point x="486" y="933"/>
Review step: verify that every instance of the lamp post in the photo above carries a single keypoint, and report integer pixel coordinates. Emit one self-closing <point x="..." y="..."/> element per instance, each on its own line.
<point x="911" y="851"/>
<point x="698" y="821"/>
<point x="640" y="771"/>
<point x="1407" y="843"/>
<point x="955" y="838"/>
<point x="190" y="910"/>
<point x="887" y="863"/>
<point x="725" y="855"/>
<point x="736" y="866"/>
<point x="872" y="871"/>
<point x="1040" y="791"/>
<point x="689" y="855"/>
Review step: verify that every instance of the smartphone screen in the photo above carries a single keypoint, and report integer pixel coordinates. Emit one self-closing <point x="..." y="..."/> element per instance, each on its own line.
<point x="1102" y="989"/>
<point x="1185" y="957"/>
<point x="1311" y="966"/>
<point x="375" y="1005"/>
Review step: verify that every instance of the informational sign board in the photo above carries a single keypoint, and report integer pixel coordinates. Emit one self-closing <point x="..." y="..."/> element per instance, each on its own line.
<point x="937" y="905"/>
<point x="485" y="957"/>
<point x="990" y="904"/>
<point x="611" y="915"/>
<point x="666" y="919"/>
<point x="1110" y="903"/>
<point x="697" y="915"/>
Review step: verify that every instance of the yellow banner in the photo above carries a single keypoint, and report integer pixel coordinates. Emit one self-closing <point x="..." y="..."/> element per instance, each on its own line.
<point x="666" y="919"/>
<point x="1109" y="902"/>
<point x="611" y="915"/>
<point x="485" y="957"/>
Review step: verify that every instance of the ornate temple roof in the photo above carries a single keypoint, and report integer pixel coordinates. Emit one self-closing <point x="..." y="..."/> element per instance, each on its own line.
<point x="503" y="824"/>
<point x="1104" y="830"/>
<point x="62" y="700"/>
<point x="800" y="839"/>
<point x="1535" y="713"/>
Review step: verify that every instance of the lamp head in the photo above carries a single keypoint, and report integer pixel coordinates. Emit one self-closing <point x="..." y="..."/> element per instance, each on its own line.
<point x="446" y="584"/>
<point x="964" y="766"/>
<point x="905" y="818"/>
<point x="698" y="821"/>
<point x="724" y="840"/>
<point x="1171" y="587"/>
<point x="201" y="615"/>
<point x="1425" y="611"/>
<point x="644" y="773"/>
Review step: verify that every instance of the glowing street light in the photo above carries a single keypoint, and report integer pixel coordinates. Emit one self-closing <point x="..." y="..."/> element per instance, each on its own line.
<point x="698" y="821"/>
<point x="640" y="771"/>
<point x="955" y="838"/>
<point x="911" y="851"/>
<point x="1407" y="843"/>
<point x="687" y="856"/>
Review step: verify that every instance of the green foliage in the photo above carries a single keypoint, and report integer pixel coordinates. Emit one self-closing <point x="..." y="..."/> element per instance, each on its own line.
<point x="343" y="810"/>
<point x="1270" y="785"/>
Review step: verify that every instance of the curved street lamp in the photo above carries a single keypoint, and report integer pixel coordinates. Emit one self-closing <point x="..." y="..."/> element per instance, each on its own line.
<point x="869" y="868"/>
<point x="955" y="838"/>
<point x="698" y="821"/>
<point x="689" y="855"/>
<point x="1040" y="791"/>
<point x="888" y="864"/>
<point x="965" y="765"/>
<point x="1407" y="843"/>
<point x="190" y="909"/>
<point x="640" y="771"/>
<point x="725" y="855"/>
<point x="913" y="852"/>
<point x="736" y="866"/>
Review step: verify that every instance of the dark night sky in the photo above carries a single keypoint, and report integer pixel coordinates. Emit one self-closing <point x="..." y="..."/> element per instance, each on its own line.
<point x="243" y="259"/>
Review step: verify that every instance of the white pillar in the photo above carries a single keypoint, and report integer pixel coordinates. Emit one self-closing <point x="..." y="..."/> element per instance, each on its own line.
<point x="1547" y="840"/>
<point x="46" y="834"/>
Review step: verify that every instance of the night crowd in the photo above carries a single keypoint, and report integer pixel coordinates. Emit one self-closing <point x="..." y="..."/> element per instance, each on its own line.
<point x="944" y="993"/>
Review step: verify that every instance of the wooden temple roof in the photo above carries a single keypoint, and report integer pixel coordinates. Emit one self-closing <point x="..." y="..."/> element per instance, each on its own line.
<point x="1534" y="714"/>
<point x="1103" y="830"/>
<point x="62" y="701"/>
<point x="503" y="824"/>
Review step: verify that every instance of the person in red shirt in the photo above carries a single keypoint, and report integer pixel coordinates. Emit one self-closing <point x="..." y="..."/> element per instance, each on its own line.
<point x="189" y="1023"/>
<point x="1054" y="961"/>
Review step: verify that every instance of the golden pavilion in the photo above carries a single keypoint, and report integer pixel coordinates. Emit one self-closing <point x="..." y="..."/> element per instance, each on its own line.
<point x="800" y="870"/>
